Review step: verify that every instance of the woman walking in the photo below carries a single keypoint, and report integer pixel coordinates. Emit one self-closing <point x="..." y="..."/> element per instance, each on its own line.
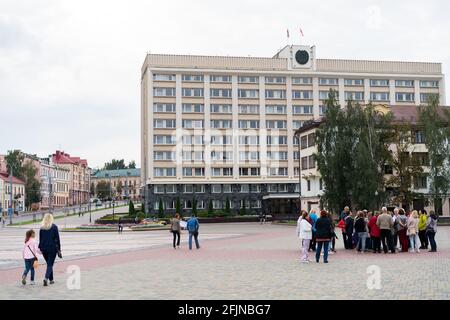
<point x="175" y="228"/>
<point x="413" y="232"/>
<point x="431" y="230"/>
<point x="323" y="236"/>
<point x="30" y="251"/>
<point x="50" y="246"/>
<point x="304" y="233"/>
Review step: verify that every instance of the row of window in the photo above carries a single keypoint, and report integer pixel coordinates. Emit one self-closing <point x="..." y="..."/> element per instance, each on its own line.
<point x="219" y="155"/>
<point x="219" y="172"/>
<point x="297" y="80"/>
<point x="220" y="188"/>
<point x="216" y="204"/>
<point x="222" y="140"/>
<point x="271" y="94"/>
<point x="218" y="124"/>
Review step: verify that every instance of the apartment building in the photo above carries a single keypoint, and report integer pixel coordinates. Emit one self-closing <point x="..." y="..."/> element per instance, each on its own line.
<point x="79" y="176"/>
<point x="55" y="181"/>
<point x="17" y="189"/>
<point x="221" y="128"/>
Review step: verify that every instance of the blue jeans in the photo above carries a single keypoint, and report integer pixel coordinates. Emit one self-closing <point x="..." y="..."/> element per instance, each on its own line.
<point x="325" y="245"/>
<point x="430" y="235"/>
<point x="195" y="235"/>
<point x="362" y="236"/>
<point x="50" y="260"/>
<point x="29" y="267"/>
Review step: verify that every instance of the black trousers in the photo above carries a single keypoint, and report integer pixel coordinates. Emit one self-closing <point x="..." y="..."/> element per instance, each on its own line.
<point x="345" y="239"/>
<point x="423" y="239"/>
<point x="312" y="244"/>
<point x="386" y="240"/>
<point x="176" y="234"/>
<point x="376" y="244"/>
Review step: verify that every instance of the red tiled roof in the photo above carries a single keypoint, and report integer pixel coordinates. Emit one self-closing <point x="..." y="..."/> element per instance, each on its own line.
<point x="61" y="157"/>
<point x="5" y="177"/>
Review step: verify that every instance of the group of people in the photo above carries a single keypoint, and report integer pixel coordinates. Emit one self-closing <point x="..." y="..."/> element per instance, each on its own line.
<point x="49" y="247"/>
<point x="192" y="227"/>
<point x="396" y="231"/>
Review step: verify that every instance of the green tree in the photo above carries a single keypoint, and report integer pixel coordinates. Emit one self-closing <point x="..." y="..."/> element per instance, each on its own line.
<point x="243" y="210"/>
<point x="14" y="159"/>
<point x="92" y="189"/>
<point x="32" y="185"/>
<point x="160" y="209"/>
<point x="178" y="206"/>
<point x="131" y="210"/>
<point x="405" y="170"/>
<point x="210" y="209"/>
<point x="194" y="206"/>
<point x="119" y="188"/>
<point x="227" y="206"/>
<point x="103" y="189"/>
<point x="115" y="164"/>
<point x="434" y="128"/>
<point x="132" y="164"/>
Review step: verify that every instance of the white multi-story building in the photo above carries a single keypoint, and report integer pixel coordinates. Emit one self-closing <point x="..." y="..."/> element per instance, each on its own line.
<point x="55" y="181"/>
<point x="218" y="128"/>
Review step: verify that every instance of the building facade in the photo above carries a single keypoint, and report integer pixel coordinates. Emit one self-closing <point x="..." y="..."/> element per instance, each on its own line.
<point x="55" y="182"/>
<point x="312" y="185"/>
<point x="222" y="128"/>
<point x="79" y="176"/>
<point x="125" y="183"/>
<point x="17" y="190"/>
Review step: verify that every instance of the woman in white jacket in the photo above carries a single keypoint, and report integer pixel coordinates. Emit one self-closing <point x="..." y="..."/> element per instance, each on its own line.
<point x="304" y="232"/>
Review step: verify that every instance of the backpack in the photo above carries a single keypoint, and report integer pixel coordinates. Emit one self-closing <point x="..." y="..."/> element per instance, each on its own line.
<point x="192" y="225"/>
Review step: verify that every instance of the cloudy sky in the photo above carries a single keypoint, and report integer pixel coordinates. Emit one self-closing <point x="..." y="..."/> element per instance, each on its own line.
<point x="70" y="70"/>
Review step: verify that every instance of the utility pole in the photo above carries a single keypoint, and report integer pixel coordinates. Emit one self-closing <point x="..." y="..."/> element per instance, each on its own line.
<point x="50" y="190"/>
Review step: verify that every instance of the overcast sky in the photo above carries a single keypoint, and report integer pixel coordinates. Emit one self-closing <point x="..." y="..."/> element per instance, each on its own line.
<point x="70" y="70"/>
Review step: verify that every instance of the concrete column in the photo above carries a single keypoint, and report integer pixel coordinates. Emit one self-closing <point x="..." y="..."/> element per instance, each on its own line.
<point x="179" y="128"/>
<point x="290" y="129"/>
<point x="207" y="132"/>
<point x="392" y="92"/>
<point x="149" y="147"/>
<point x="417" y="92"/>
<point x="316" y="101"/>
<point x="262" y="128"/>
<point x="235" y="123"/>
<point x="366" y="91"/>
<point x="341" y="92"/>
<point x="442" y="96"/>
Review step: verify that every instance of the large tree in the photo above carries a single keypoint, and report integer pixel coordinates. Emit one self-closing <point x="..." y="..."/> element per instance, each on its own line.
<point x="103" y="189"/>
<point x="352" y="146"/>
<point x="32" y="185"/>
<point x="434" y="126"/>
<point x="115" y="164"/>
<point x="132" y="164"/>
<point x="14" y="159"/>
<point x="403" y="168"/>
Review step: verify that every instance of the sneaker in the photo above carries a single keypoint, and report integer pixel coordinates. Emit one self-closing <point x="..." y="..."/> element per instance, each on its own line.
<point x="418" y="251"/>
<point x="305" y="261"/>
<point x="32" y="283"/>
<point x="331" y="252"/>
<point x="325" y="262"/>
<point x="45" y="282"/>
<point x="24" y="280"/>
<point x="52" y="281"/>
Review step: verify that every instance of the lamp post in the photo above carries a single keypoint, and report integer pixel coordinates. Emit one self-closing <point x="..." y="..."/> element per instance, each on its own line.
<point x="89" y="199"/>
<point x="299" y="172"/>
<point x="11" y="209"/>
<point x="128" y="186"/>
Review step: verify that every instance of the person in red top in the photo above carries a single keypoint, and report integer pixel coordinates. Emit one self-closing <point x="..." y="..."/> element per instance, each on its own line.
<point x="375" y="233"/>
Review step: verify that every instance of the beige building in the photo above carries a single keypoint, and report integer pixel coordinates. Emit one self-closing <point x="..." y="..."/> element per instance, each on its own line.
<point x="79" y="176"/>
<point x="125" y="183"/>
<point x="311" y="183"/>
<point x="55" y="182"/>
<point x="17" y="189"/>
<point x="222" y="128"/>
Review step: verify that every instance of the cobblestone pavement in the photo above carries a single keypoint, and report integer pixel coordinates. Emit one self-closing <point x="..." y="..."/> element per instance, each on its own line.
<point x="236" y="261"/>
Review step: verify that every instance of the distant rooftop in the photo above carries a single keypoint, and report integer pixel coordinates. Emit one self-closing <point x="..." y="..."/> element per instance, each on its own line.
<point x="117" y="173"/>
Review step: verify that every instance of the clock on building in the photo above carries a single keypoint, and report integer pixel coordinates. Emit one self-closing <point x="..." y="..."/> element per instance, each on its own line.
<point x="302" y="57"/>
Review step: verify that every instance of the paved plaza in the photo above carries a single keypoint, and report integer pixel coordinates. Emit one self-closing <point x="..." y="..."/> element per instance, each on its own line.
<point x="236" y="261"/>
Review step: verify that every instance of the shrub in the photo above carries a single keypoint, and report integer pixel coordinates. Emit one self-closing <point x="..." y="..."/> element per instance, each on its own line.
<point x="131" y="210"/>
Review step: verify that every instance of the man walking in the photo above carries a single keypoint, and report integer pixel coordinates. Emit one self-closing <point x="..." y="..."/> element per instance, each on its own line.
<point x="349" y="227"/>
<point x="193" y="226"/>
<point x="384" y="223"/>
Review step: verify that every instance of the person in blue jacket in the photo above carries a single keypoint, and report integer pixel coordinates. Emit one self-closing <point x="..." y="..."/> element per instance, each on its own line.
<point x="192" y="227"/>
<point x="313" y="217"/>
<point x="49" y="245"/>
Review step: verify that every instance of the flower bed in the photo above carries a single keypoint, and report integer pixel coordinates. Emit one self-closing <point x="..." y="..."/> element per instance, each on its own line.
<point x="147" y="226"/>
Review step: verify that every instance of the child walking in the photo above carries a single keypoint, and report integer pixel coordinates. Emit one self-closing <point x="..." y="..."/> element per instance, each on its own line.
<point x="30" y="251"/>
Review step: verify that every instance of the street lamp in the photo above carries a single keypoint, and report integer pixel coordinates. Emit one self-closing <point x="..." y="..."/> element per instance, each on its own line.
<point x="128" y="186"/>
<point x="299" y="172"/>
<point x="113" y="204"/>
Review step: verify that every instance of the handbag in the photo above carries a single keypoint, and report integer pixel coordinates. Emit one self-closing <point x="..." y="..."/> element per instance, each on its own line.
<point x="36" y="261"/>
